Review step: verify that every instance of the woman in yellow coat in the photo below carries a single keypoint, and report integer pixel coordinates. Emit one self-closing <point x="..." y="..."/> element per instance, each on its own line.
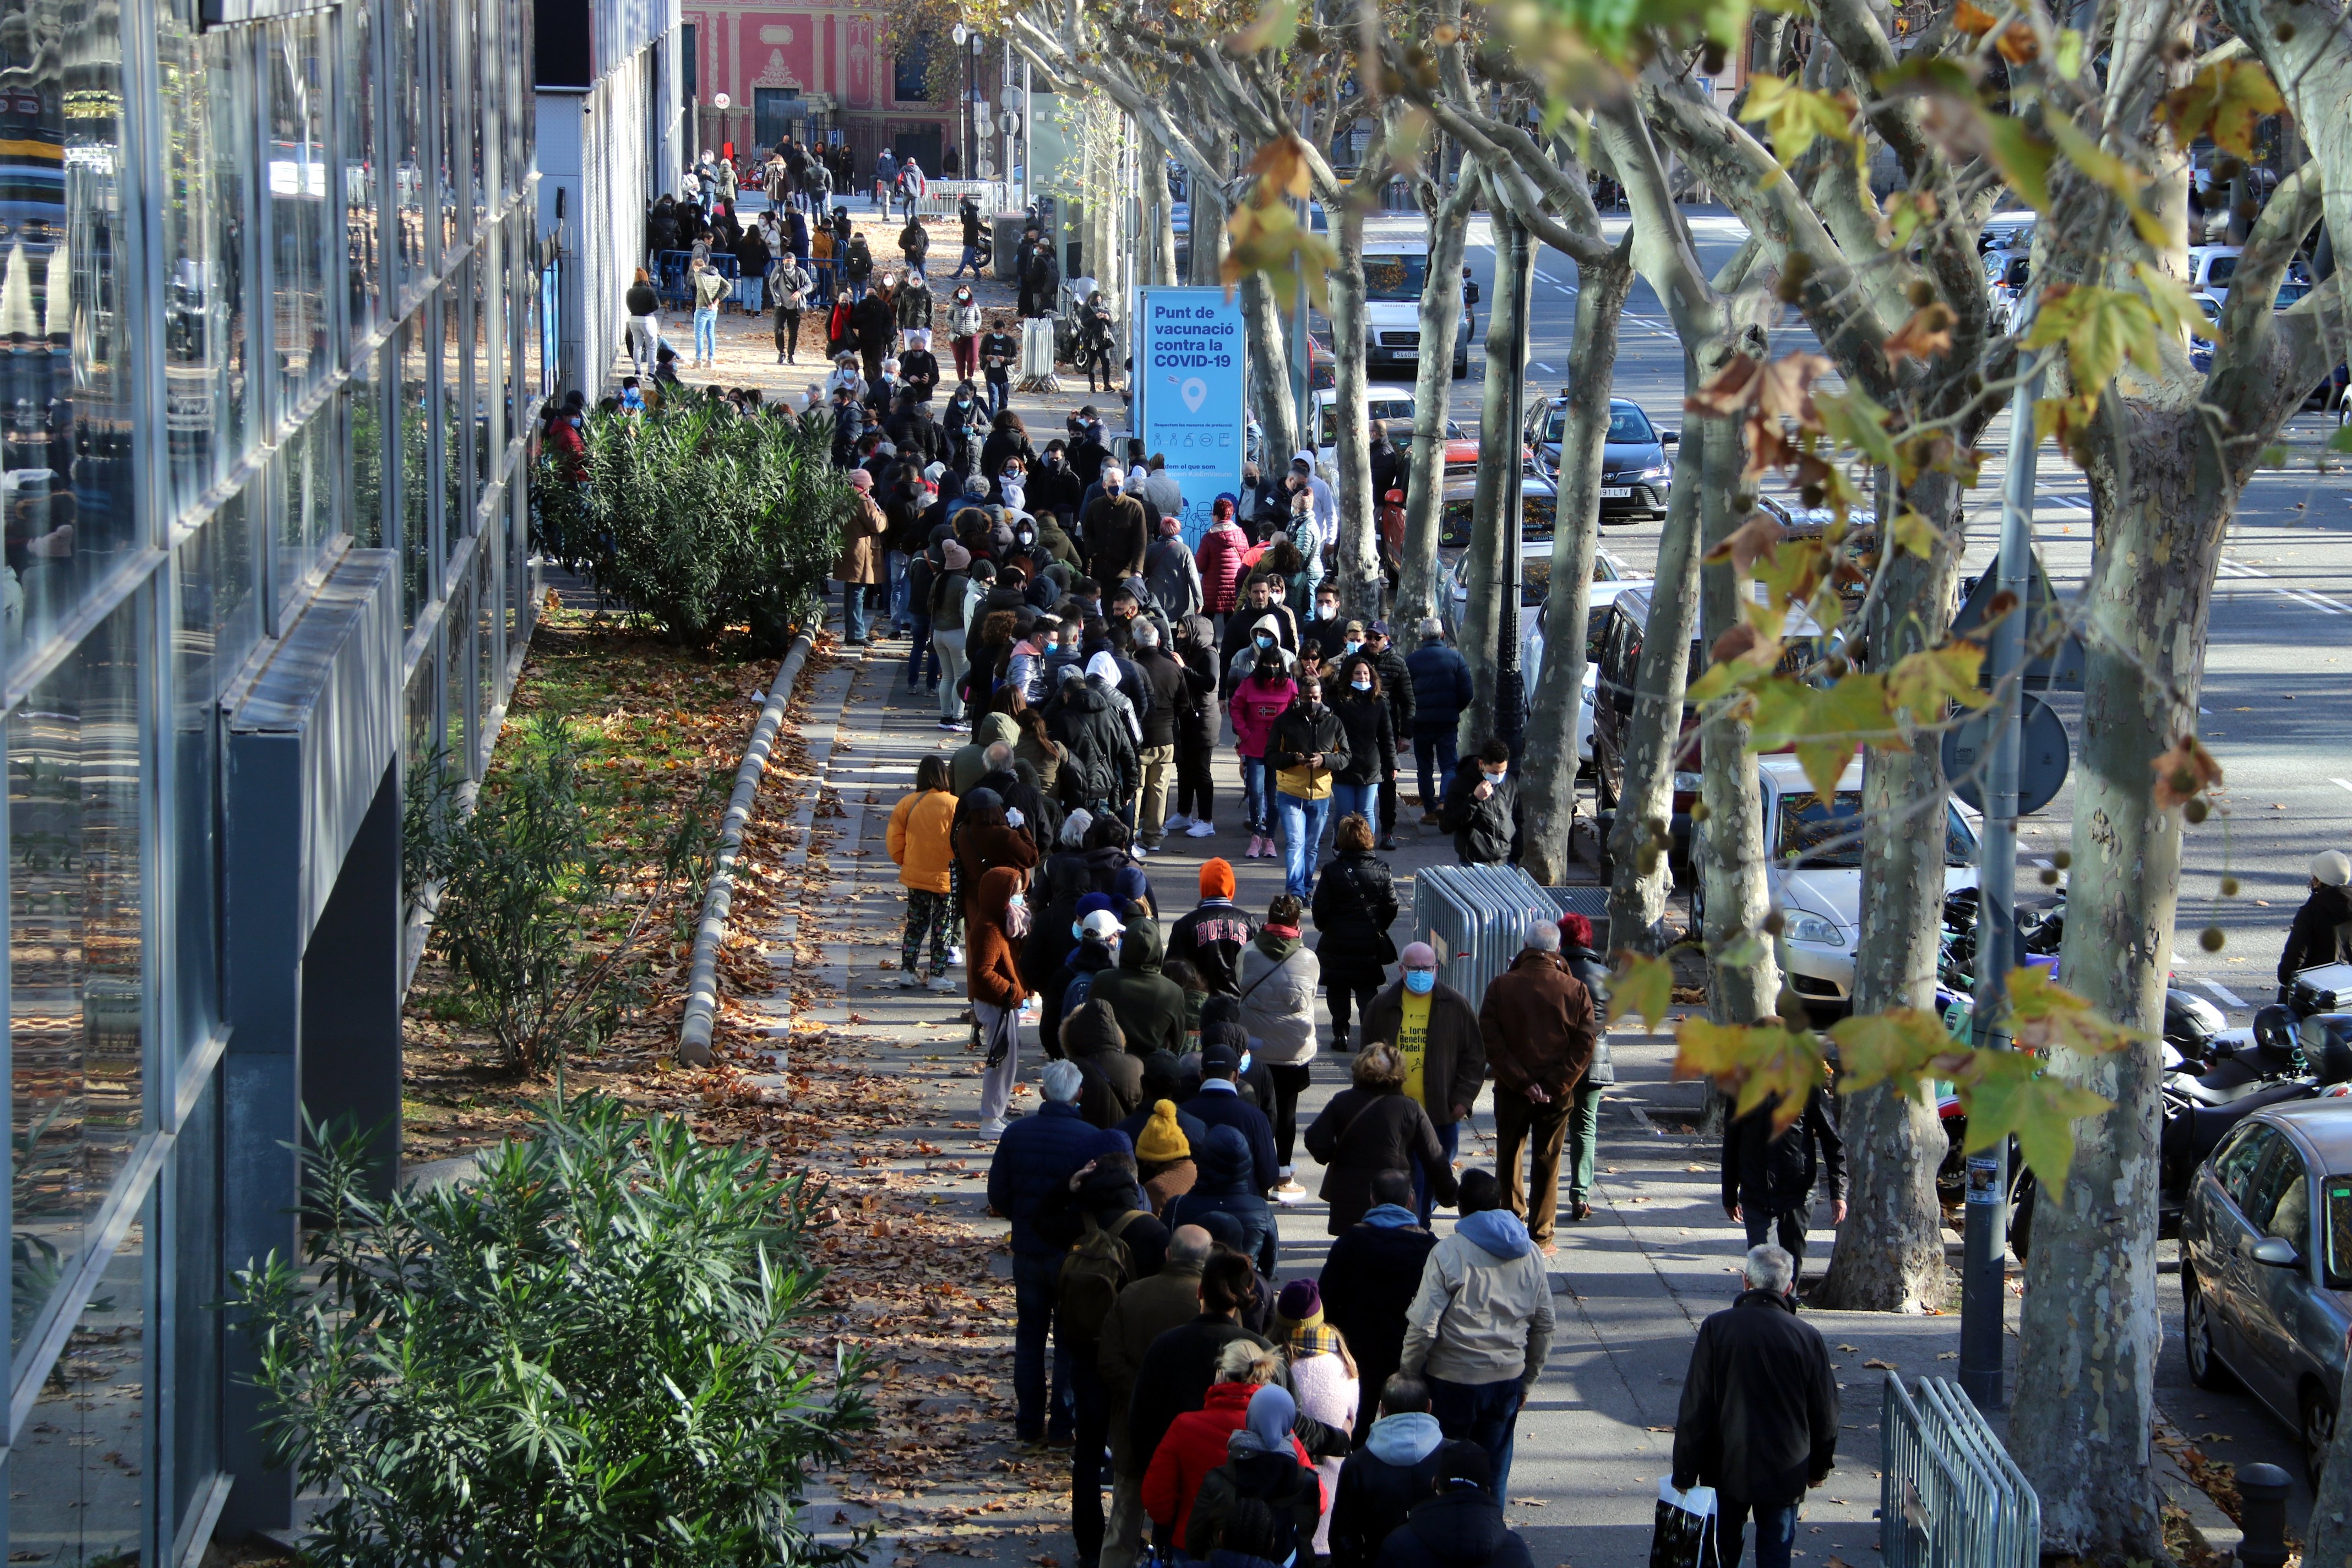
<point x="920" y="845"/>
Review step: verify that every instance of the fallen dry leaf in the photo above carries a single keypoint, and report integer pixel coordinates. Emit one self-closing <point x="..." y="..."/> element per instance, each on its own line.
<point x="1876" y="1365"/>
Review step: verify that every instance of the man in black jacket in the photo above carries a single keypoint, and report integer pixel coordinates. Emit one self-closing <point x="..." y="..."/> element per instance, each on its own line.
<point x="1395" y="1467"/>
<point x="1768" y="1177"/>
<point x="2322" y="932"/>
<point x="1396" y="684"/>
<point x="1760" y="1413"/>
<point x="1102" y="772"/>
<point x="1176" y="1371"/>
<point x="1212" y="937"/>
<point x="1198" y="721"/>
<point x="1164" y="681"/>
<point x="1481" y="806"/>
<point x="1368" y="1281"/>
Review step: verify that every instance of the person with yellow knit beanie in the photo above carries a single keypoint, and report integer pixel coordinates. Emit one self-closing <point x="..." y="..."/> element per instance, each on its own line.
<point x="1163" y="1157"/>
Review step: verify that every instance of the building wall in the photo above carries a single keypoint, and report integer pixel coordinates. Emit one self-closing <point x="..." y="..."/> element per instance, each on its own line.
<point x="841" y="51"/>
<point x="269" y="295"/>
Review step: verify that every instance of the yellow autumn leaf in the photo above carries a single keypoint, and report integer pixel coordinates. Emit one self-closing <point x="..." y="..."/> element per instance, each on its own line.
<point x="1824" y="724"/>
<point x="2223" y="100"/>
<point x="1926" y="683"/>
<point x="2008" y="1092"/>
<point x="1795" y="117"/>
<point x="1895" y="1045"/>
<point x="1753" y="1063"/>
<point x="1914" y="533"/>
<point x="1642" y="987"/>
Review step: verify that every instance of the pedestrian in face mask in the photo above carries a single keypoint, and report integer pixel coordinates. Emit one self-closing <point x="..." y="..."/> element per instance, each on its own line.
<point x="1307" y="749"/>
<point x="1363" y="710"/>
<point x="1435" y="1031"/>
<point x="964" y="321"/>
<point x="1481" y="806"/>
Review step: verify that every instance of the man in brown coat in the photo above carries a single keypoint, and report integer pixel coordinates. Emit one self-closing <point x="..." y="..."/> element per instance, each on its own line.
<point x="1539" y="1025"/>
<point x="1117" y="532"/>
<point x="1144" y="1311"/>
<point x="858" y="569"/>
<point x="1444" y="1032"/>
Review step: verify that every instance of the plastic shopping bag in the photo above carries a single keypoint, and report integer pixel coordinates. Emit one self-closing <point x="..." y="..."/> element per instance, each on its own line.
<point x="1685" y="1534"/>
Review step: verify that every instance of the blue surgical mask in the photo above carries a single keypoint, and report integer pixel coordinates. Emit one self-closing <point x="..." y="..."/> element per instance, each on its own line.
<point x="1349" y="647"/>
<point x="1420" y="982"/>
<point x="1077" y="930"/>
<point x="1362" y="685"/>
<point x="1494" y="777"/>
<point x="1265" y="639"/>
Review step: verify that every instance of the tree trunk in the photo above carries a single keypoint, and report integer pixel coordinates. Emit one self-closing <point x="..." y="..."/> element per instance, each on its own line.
<point x="2085" y="1400"/>
<point x="1432" y="396"/>
<point x="1499" y="448"/>
<point x="1890" y="1251"/>
<point x="1204" y="251"/>
<point x="1547" y="779"/>
<point x="1638" y="879"/>
<point x="1160" y="212"/>
<point x="1269" y="375"/>
<point x="1361" y="582"/>
<point x="1727" y="848"/>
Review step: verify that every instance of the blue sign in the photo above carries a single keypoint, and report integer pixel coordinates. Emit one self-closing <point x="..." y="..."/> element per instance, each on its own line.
<point x="1191" y="393"/>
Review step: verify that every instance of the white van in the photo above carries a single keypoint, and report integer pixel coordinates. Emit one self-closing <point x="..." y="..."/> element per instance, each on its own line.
<point x="1394" y="273"/>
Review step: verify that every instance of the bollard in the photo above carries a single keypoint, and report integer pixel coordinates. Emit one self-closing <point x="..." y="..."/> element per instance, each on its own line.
<point x="2262" y="1516"/>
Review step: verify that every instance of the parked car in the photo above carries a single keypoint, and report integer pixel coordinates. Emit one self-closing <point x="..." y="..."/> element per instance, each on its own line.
<point x="2007" y="273"/>
<point x="1636" y="479"/>
<point x="1610" y="577"/>
<point x="2266" y="1265"/>
<point x="2210" y="266"/>
<point x="1537" y="507"/>
<point x="2007" y="231"/>
<point x="1812" y="845"/>
<point x="1395" y="271"/>
<point x="1393" y="407"/>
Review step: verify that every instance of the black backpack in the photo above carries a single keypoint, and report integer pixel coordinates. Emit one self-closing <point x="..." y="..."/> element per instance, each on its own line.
<point x="1094" y="1271"/>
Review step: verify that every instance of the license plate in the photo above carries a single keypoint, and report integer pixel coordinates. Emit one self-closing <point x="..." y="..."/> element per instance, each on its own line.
<point x="1616" y="492"/>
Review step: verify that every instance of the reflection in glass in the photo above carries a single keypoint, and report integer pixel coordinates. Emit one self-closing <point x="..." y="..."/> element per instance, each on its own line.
<point x="454" y="35"/>
<point x="196" y="680"/>
<point x="405" y="157"/>
<point x="306" y="508"/>
<point x="485" y="431"/>
<point x="77" y="1475"/>
<point x="485" y="645"/>
<point x="75" y="1005"/>
<point x="362" y="260"/>
<point x="364" y="420"/>
<point x="455" y="302"/>
<point x="416" y="478"/>
<point x="298" y="203"/>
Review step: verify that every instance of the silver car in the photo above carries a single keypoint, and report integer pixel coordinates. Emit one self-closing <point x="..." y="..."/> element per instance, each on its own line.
<point x="2266" y="1265"/>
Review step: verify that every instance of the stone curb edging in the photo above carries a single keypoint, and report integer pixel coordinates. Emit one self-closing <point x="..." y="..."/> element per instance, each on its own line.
<point x="702" y="974"/>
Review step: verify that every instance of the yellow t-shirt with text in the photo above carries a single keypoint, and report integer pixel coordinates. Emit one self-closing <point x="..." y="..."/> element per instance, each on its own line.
<point x="1413" y="1045"/>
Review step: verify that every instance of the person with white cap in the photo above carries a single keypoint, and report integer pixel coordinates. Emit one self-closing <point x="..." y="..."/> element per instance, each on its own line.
<point x="2322" y="932"/>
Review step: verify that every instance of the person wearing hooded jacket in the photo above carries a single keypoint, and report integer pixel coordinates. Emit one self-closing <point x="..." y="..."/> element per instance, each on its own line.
<point x="2322" y="932"/>
<point x="1369" y="1279"/>
<point x="1355" y="903"/>
<point x="1193" y="1391"/>
<point x="1481" y="806"/>
<point x="1265" y="1464"/>
<point x="1145" y="1309"/>
<point x="1221" y="561"/>
<point x="1220" y="1102"/>
<point x="1460" y="1525"/>
<point x="1480" y="1325"/>
<point x="1257" y="704"/>
<point x="1194" y="727"/>
<point x="1096" y="951"/>
<point x="969" y="762"/>
<point x="1112" y="870"/>
<point x="1149" y="1005"/>
<point x="1278" y="975"/>
<point x="1220" y="1184"/>
<point x="1103" y="770"/>
<point x="1213" y="937"/>
<point x="1034" y="1155"/>
<point x="1114" y="1083"/>
<point x="1381" y="1482"/>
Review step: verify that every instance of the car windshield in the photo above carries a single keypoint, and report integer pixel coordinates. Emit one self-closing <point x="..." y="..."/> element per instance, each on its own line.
<point x="1821" y="835"/>
<point x="1627" y="423"/>
<point x="1395" y="277"/>
<point x="2290" y="292"/>
<point x="2220" y="269"/>
<point x="2339" y="1232"/>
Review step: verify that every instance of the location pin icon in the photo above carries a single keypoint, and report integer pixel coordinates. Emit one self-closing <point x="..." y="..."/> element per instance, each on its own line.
<point x="1194" y="392"/>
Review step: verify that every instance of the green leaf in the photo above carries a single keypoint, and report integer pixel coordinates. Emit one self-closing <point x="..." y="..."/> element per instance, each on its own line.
<point x="2128" y="185"/>
<point x="2066" y="60"/>
<point x="1642" y="987"/>
<point x="1276" y="27"/>
<point x="2007" y="1092"/>
<point x="1895" y="1045"/>
<point x="1753" y="1063"/>
<point x="1928" y="682"/>
<point x="2176" y="311"/>
<point x="1824" y="724"/>
<point x="2022" y="158"/>
<point x="2223" y="100"/>
<point x="1854" y="420"/>
<point x="2101" y="327"/>
<point x="1794" y="117"/>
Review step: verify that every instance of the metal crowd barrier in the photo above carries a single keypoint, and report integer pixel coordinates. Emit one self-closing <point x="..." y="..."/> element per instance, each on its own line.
<point x="943" y="198"/>
<point x="1586" y="898"/>
<point x="1948" y="1496"/>
<point x="1476" y="918"/>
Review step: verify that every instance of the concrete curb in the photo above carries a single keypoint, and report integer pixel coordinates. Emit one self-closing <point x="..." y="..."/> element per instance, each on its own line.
<point x="702" y="975"/>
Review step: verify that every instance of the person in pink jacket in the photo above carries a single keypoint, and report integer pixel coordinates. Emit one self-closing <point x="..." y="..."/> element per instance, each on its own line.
<point x="1262" y="697"/>
<point x="1223" y="559"/>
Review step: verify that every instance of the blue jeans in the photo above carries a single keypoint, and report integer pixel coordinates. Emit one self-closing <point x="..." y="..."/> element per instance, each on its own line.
<point x="919" y="653"/>
<point x="857" y="611"/>
<point x="1449" y="1138"/>
<point x="1036" y="1285"/>
<point x="970" y="258"/>
<point x="1356" y="800"/>
<point x="898" y="561"/>
<point x="1487" y="1414"/>
<point x="999" y="391"/>
<point x="1438" y="745"/>
<point x="750" y="295"/>
<point x="706" y="333"/>
<point x="1303" y="822"/>
<point x="856" y="290"/>
<point x="1255" y="781"/>
<point x="1776" y="1531"/>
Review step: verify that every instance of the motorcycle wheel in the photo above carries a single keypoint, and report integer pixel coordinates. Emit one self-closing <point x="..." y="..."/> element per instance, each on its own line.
<point x="2021" y="1217"/>
<point x="2205" y="1368"/>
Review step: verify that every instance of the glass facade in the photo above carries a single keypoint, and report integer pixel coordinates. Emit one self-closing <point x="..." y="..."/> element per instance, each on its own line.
<point x="269" y="295"/>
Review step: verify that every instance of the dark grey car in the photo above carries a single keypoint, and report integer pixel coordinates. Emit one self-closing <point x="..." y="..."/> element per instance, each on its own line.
<point x="2266" y="1265"/>
<point x="1636" y="477"/>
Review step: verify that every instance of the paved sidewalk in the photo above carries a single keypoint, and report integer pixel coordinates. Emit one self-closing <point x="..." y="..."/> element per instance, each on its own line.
<point x="1631" y="1284"/>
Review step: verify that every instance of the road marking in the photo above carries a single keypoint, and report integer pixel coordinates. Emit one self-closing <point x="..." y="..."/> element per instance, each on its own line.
<point x="1544" y="368"/>
<point x="2229" y="998"/>
<point x="2042" y="866"/>
<point x="2345" y="783"/>
<point x="2061" y="503"/>
<point x="1546" y="275"/>
<point x="2314" y="600"/>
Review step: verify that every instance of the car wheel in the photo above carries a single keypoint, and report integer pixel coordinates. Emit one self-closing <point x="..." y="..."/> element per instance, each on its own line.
<point x="1461" y="370"/>
<point x="2205" y="1368"/>
<point x="1604" y="785"/>
<point x="2021" y="1217"/>
<point x="2318" y="1431"/>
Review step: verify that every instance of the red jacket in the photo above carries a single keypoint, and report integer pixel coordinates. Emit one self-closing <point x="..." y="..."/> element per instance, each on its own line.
<point x="1194" y="1446"/>
<point x="1222" y="565"/>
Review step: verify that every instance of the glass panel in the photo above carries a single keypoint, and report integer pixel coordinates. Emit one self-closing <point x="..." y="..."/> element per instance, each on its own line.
<point x="416" y="476"/>
<point x="486" y="644"/>
<point x="196" y="679"/>
<point x="234" y="562"/>
<point x="195" y="1326"/>
<point x="405" y="157"/>
<point x="364" y="420"/>
<point x="517" y="567"/>
<point x="64" y="410"/>
<point x="306" y="508"/>
<point x="77" y="1476"/>
<point x="298" y="203"/>
<point x="422" y="710"/>
<point x="484" y="72"/>
<point x="460" y="648"/>
<point x="455" y="442"/>
<point x="455" y="38"/>
<point x="196" y="289"/>
<point x="483" y="269"/>
<point x="362" y="248"/>
<point x="75" y="1000"/>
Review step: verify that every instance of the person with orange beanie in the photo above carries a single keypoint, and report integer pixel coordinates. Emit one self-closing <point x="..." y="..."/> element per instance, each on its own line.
<point x="1210" y="939"/>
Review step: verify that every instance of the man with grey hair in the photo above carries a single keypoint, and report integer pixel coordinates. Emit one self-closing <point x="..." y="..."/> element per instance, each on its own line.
<point x="1538" y="1023"/>
<point x="1760" y="1413"/>
<point x="1037" y="1155"/>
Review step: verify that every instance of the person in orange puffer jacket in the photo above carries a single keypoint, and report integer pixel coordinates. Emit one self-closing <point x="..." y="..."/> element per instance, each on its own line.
<point x="920" y="842"/>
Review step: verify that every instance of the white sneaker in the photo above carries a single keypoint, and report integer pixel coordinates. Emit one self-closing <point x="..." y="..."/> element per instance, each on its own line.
<point x="993" y="1127"/>
<point x="1289" y="1192"/>
<point x="909" y="980"/>
<point x="1179" y="823"/>
<point x="955" y="958"/>
<point x="1141" y="851"/>
<point x="943" y="984"/>
<point x="1202" y="830"/>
